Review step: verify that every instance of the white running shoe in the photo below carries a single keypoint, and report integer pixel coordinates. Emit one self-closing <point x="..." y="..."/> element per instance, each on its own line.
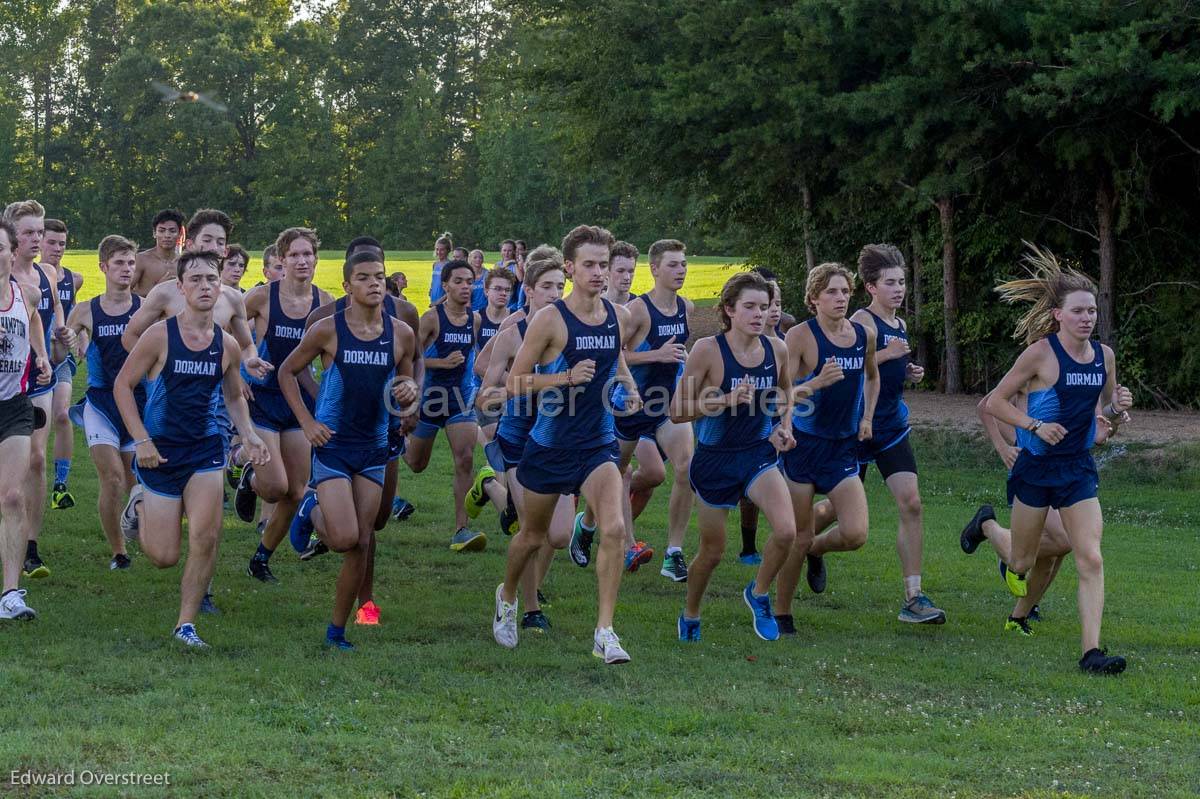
<point x="12" y="606"/>
<point x="504" y="625"/>
<point x="606" y="645"/>
<point x="129" y="516"/>
<point x="186" y="635"/>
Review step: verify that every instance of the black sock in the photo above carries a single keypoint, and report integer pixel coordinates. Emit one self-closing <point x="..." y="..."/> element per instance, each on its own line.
<point x="31" y="549"/>
<point x="748" y="536"/>
<point x="263" y="553"/>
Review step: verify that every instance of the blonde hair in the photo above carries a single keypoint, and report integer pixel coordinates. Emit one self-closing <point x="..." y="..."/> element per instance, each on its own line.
<point x="1047" y="287"/>
<point x="15" y="212"/>
<point x="111" y="245"/>
<point x="818" y="281"/>
<point x="293" y="234"/>
<point x="539" y="261"/>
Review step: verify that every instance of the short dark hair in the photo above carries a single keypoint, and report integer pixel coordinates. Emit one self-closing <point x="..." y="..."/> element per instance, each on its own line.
<point x="237" y="249"/>
<point x="874" y="258"/>
<point x="509" y="241"/>
<point x="209" y="216"/>
<point x="462" y="250"/>
<point x="663" y="246"/>
<point x="189" y="257"/>
<point x="55" y="226"/>
<point x="623" y="249"/>
<point x="371" y="256"/>
<point x="449" y="267"/>
<point x="167" y="215"/>
<point x="359" y="241"/>
<point x="766" y="273"/>
<point x="270" y="252"/>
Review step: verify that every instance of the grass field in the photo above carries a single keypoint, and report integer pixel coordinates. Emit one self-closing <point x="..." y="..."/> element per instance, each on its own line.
<point x="706" y="275"/>
<point x="857" y="705"/>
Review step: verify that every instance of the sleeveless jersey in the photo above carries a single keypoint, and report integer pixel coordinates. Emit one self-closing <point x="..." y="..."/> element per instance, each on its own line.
<point x="652" y="377"/>
<point x="744" y="426"/>
<point x="835" y="411"/>
<point x="180" y="402"/>
<point x="517" y="418"/>
<point x="66" y="292"/>
<point x="451" y="337"/>
<point x="389" y="305"/>
<point x="352" y="400"/>
<point x="487" y="330"/>
<point x="282" y="335"/>
<point x="15" y="352"/>
<point x="576" y="417"/>
<point x="891" y="413"/>
<point x="1071" y="402"/>
<point x="105" y="354"/>
<point x="45" y="310"/>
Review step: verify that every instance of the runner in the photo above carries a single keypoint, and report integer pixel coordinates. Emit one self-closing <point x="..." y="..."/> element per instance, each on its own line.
<point x="180" y="451"/>
<point x="574" y="345"/>
<point x="1066" y="375"/>
<point x="236" y="261"/>
<point x="737" y="385"/>
<point x="447" y="338"/>
<point x="837" y="360"/>
<point x="22" y="356"/>
<point x="362" y="349"/>
<point x="278" y="312"/>
<point x="441" y="256"/>
<point x="157" y="263"/>
<point x="101" y="321"/>
<point x="54" y="245"/>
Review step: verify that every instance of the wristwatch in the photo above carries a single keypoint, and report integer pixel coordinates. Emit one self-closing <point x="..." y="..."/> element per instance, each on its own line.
<point x="1033" y="428"/>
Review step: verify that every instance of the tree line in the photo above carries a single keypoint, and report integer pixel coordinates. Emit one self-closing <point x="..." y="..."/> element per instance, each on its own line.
<point x="792" y="132"/>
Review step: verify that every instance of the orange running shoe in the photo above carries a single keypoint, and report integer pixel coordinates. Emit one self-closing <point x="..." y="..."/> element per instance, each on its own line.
<point x="367" y="614"/>
<point x="637" y="555"/>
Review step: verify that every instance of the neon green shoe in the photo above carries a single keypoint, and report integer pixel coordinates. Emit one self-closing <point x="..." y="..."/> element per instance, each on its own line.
<point x="1020" y="625"/>
<point x="1016" y="583"/>
<point x="477" y="499"/>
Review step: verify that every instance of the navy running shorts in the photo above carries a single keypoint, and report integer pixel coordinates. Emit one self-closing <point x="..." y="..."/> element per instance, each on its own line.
<point x="170" y="478"/>
<point x="639" y="425"/>
<point x="346" y="464"/>
<point x="823" y="462"/>
<point x="554" y="470"/>
<point x="441" y="407"/>
<point x="503" y="454"/>
<point x="1053" y="482"/>
<point x="721" y="477"/>
<point x="270" y="411"/>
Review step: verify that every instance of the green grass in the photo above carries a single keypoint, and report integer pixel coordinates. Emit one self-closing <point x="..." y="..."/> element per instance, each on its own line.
<point x="857" y="705"/>
<point x="706" y="274"/>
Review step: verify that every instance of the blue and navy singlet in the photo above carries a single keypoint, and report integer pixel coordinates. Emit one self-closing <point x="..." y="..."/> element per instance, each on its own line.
<point x="744" y="426"/>
<point x="487" y="330"/>
<point x="352" y="399"/>
<point x="517" y="418"/>
<point x="45" y="311"/>
<point x="1071" y="402"/>
<point x="837" y="409"/>
<point x="891" y="412"/>
<point x="451" y="337"/>
<point x="66" y="292"/>
<point x="659" y="376"/>
<point x="282" y="335"/>
<point x="179" y="405"/>
<point x="105" y="353"/>
<point x="576" y="417"/>
<point x="389" y="305"/>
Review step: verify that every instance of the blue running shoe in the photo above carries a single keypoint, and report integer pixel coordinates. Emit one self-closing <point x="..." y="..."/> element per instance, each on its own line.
<point x="301" y="529"/>
<point x="340" y="644"/>
<point x="764" y="622"/>
<point x="402" y="509"/>
<point x="689" y="629"/>
<point x="208" y="606"/>
<point x="753" y="559"/>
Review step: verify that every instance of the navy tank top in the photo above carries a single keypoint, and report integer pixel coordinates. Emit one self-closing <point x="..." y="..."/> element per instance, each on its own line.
<point x="578" y="417"/>
<point x="517" y="418"/>
<point x="179" y="405"/>
<point x="66" y="292"/>
<point x="389" y="305"/>
<point x="835" y="411"/>
<point x="282" y="335"/>
<point x="352" y="400"/>
<point x="891" y="413"/>
<point x="651" y="376"/>
<point x="451" y="337"/>
<point x="105" y="354"/>
<point x="743" y="426"/>
<point x="487" y="330"/>
<point x="1071" y="402"/>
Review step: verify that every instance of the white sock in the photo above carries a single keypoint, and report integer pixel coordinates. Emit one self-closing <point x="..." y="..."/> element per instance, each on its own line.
<point x="912" y="586"/>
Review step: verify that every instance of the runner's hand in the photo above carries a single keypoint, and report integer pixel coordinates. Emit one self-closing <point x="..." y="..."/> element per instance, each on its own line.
<point x="257" y="367"/>
<point x="914" y="373"/>
<point x="897" y="348"/>
<point x="741" y="394"/>
<point x="864" y="430"/>
<point x="583" y="372"/>
<point x="1009" y="456"/>
<point x="1051" y="433"/>
<point x="831" y="373"/>
<point x="781" y="437"/>
<point x="670" y="352"/>
<point x="147" y="455"/>
<point x="45" y="373"/>
<point x="317" y="434"/>
<point x="255" y="449"/>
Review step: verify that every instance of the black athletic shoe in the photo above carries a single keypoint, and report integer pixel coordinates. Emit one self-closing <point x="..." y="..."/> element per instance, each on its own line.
<point x="1019" y="624"/>
<point x="35" y="568"/>
<point x="535" y="621"/>
<point x="316" y="547"/>
<point x="245" y="500"/>
<point x="261" y="570"/>
<point x="543" y="600"/>
<point x="119" y="563"/>
<point x="972" y="535"/>
<point x="816" y="573"/>
<point x="786" y="625"/>
<point x="1035" y="613"/>
<point x="1098" y="661"/>
<point x="509" y="523"/>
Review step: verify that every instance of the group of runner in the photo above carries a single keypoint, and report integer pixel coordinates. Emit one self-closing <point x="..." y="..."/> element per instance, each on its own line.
<point x="307" y="404"/>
